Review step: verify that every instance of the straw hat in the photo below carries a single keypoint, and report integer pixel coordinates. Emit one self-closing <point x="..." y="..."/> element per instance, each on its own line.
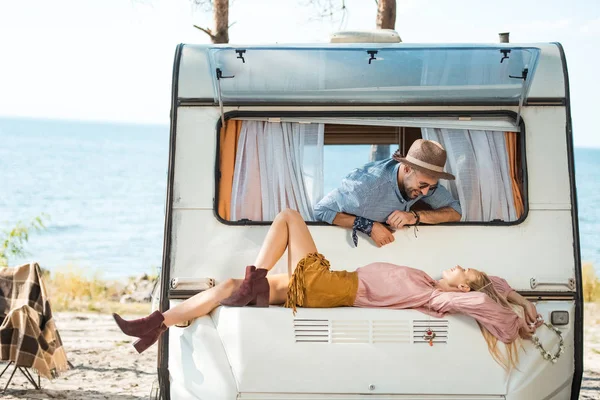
<point x="428" y="157"/>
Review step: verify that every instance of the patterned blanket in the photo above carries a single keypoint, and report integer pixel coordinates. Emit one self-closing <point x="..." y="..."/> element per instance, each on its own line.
<point x="28" y="335"/>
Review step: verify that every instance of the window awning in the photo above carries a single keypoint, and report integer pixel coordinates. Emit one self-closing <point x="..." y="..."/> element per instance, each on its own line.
<point x="378" y="74"/>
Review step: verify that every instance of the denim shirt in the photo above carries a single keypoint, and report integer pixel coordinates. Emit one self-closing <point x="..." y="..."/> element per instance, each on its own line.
<point x="372" y="192"/>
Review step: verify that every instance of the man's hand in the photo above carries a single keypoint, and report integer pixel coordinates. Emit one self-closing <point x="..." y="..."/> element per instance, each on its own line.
<point x="381" y="235"/>
<point x="399" y="219"/>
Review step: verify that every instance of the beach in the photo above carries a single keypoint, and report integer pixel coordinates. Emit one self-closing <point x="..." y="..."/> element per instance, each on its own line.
<point x="106" y="366"/>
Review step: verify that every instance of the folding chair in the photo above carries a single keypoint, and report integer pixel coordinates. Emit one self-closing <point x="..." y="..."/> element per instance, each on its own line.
<point x="25" y="372"/>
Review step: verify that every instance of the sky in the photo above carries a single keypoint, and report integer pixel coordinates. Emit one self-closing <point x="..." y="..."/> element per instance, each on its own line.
<point x="111" y="60"/>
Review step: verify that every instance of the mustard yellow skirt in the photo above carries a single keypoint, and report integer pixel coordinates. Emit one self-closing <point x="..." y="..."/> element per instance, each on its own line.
<point x="314" y="285"/>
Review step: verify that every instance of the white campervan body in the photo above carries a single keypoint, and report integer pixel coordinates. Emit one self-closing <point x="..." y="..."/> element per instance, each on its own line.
<point x="363" y="94"/>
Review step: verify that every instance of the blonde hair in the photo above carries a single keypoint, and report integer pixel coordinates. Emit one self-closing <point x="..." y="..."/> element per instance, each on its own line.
<point x="482" y="283"/>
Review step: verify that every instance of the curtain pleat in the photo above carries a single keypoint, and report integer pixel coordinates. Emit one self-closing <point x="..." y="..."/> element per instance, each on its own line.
<point x="480" y="162"/>
<point x="278" y="166"/>
<point x="513" y="163"/>
<point x="230" y="134"/>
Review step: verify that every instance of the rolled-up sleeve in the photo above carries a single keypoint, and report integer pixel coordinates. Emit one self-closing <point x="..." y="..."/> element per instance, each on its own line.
<point x="346" y="199"/>
<point x="442" y="198"/>
<point x="327" y="208"/>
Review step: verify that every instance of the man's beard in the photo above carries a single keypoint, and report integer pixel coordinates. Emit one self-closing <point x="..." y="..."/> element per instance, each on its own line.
<point x="408" y="195"/>
<point x="414" y="194"/>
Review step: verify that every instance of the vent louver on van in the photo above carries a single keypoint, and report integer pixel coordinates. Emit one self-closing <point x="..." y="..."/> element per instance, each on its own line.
<point x="368" y="332"/>
<point x="440" y="327"/>
<point x="352" y="331"/>
<point x="391" y="332"/>
<point x="311" y="330"/>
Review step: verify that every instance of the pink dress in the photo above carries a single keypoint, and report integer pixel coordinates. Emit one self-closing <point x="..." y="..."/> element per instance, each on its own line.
<point x="393" y="286"/>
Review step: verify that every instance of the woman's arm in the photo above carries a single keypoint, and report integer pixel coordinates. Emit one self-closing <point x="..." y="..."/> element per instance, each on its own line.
<point x="511" y="295"/>
<point x="500" y="321"/>
<point x="501" y="286"/>
<point x="532" y="317"/>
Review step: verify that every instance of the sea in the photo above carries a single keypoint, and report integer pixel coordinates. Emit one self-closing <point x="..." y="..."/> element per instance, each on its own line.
<point x="100" y="189"/>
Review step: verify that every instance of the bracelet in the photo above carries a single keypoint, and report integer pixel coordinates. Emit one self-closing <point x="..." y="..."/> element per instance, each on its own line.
<point x="417" y="216"/>
<point x="361" y="224"/>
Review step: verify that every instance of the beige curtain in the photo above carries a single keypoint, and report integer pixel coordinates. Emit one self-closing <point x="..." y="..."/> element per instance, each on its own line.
<point x="513" y="162"/>
<point x="230" y="134"/>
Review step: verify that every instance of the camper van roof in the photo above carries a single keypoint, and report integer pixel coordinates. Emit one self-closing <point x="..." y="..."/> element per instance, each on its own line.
<point x="369" y="73"/>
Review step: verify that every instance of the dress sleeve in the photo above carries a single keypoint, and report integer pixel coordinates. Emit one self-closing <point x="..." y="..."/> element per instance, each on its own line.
<point x="500" y="321"/>
<point x="501" y="286"/>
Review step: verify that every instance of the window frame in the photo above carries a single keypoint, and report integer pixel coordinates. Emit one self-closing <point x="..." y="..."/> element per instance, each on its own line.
<point x="365" y="114"/>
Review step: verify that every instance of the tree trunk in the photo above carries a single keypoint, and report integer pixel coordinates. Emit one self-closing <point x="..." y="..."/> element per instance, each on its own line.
<point x="221" y="18"/>
<point x="386" y="19"/>
<point x="386" y="14"/>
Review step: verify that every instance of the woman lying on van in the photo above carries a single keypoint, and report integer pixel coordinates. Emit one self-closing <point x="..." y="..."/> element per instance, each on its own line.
<point x="312" y="284"/>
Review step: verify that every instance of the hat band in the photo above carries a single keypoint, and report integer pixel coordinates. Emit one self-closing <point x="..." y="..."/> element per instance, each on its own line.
<point x="423" y="164"/>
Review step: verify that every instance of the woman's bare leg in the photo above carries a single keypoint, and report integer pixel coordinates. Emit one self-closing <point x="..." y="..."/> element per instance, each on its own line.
<point x="203" y="303"/>
<point x="200" y="304"/>
<point x="278" y="287"/>
<point x="288" y="231"/>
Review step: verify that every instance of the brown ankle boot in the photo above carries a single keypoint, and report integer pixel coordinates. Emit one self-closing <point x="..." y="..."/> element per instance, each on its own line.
<point x="141" y="326"/>
<point x="254" y="289"/>
<point x="149" y="338"/>
<point x="249" y="271"/>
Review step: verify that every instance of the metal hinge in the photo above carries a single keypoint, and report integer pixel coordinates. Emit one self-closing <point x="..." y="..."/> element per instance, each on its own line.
<point x="219" y="77"/>
<point x="523" y="76"/>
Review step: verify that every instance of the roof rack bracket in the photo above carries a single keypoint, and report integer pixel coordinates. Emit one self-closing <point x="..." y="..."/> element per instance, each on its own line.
<point x="372" y="53"/>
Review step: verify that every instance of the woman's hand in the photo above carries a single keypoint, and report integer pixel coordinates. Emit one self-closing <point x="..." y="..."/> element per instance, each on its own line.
<point x="532" y="317"/>
<point x="526" y="331"/>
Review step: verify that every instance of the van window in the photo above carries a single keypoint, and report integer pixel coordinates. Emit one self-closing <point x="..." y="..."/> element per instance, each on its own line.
<point x="387" y="74"/>
<point x="265" y="167"/>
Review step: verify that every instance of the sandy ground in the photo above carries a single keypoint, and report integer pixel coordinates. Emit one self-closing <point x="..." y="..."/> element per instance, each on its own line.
<point x="590" y="386"/>
<point x="107" y="366"/>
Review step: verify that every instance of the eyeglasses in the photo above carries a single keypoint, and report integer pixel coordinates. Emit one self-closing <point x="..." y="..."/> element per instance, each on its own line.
<point x="425" y="185"/>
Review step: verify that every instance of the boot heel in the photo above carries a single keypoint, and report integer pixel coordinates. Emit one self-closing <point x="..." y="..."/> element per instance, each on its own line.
<point x="149" y="339"/>
<point x="262" y="299"/>
<point x="142" y="345"/>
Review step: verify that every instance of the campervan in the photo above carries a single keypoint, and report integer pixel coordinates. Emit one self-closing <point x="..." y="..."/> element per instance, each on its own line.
<point x="258" y="128"/>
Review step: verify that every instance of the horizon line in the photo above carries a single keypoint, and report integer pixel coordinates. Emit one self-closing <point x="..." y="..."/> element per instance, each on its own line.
<point x="137" y="123"/>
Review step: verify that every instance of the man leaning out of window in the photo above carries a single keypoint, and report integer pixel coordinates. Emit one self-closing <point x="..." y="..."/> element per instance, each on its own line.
<point x="385" y="191"/>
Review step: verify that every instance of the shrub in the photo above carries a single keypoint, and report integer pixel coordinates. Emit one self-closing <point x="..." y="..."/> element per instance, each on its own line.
<point x="591" y="285"/>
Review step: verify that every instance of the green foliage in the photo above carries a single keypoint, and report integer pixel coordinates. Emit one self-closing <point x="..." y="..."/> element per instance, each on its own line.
<point x="12" y="241"/>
